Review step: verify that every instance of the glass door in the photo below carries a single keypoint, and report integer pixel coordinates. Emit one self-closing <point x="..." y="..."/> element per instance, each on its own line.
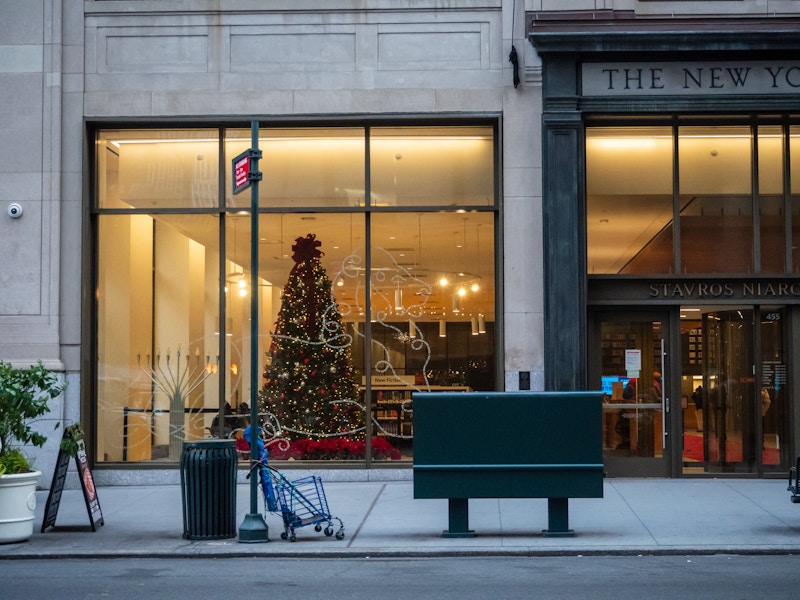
<point x="734" y="406"/>
<point x="772" y="400"/>
<point x="631" y="369"/>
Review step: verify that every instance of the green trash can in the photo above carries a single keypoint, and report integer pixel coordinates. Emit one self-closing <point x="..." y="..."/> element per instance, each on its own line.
<point x="208" y="489"/>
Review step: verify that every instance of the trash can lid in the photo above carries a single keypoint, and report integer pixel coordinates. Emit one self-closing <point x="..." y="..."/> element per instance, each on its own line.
<point x="214" y="443"/>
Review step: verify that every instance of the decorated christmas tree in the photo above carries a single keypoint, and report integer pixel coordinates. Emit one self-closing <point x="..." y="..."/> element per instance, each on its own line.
<point x="309" y="382"/>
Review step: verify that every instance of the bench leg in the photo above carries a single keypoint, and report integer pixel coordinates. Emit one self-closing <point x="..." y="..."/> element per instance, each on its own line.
<point x="558" y="518"/>
<point x="458" y="519"/>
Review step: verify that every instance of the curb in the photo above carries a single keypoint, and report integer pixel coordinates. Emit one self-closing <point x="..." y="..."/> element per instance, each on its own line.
<point x="437" y="553"/>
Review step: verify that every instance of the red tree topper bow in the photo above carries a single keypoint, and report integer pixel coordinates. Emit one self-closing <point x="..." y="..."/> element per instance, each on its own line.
<point x="306" y="248"/>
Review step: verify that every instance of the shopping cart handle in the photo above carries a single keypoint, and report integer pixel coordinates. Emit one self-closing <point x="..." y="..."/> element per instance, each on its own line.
<point x="256" y="464"/>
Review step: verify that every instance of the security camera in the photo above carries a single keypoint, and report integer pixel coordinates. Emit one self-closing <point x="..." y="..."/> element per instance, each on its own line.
<point x="14" y="210"/>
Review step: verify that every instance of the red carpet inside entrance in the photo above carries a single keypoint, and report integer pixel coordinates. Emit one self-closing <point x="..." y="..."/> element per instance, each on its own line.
<point x="693" y="450"/>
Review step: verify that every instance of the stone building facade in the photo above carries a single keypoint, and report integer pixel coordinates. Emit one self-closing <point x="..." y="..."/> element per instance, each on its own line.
<point x="79" y="79"/>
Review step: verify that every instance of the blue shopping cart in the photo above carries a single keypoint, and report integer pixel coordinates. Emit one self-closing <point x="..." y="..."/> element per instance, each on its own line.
<point x="300" y="502"/>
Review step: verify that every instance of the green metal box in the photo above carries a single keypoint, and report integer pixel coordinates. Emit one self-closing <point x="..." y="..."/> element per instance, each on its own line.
<point x="508" y="445"/>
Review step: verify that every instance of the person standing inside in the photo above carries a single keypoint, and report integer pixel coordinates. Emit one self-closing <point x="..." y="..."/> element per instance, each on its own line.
<point x="697" y="398"/>
<point x="623" y="426"/>
<point x="765" y="401"/>
<point x="657" y="390"/>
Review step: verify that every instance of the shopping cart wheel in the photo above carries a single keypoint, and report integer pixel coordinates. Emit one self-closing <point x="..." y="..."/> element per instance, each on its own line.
<point x="284" y="536"/>
<point x="292" y="537"/>
<point x="340" y="535"/>
<point x="328" y="531"/>
<point x="317" y="527"/>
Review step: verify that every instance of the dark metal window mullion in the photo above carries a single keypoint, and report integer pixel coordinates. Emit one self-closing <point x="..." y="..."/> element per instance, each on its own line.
<point x="758" y="421"/>
<point x="222" y="309"/>
<point x="152" y="335"/>
<point x="754" y="198"/>
<point x="676" y="205"/>
<point x="498" y="209"/>
<point x="787" y="197"/>
<point x="367" y="302"/>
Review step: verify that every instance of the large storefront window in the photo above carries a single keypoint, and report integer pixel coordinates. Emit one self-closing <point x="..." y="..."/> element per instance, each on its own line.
<point x="334" y="156"/>
<point x="725" y="215"/>
<point x="715" y="199"/>
<point x="157" y="342"/>
<point x="629" y="200"/>
<point x="407" y="166"/>
<point x="794" y="177"/>
<point x="147" y="169"/>
<point x="359" y="305"/>
<point x="771" y="203"/>
<point x="431" y="317"/>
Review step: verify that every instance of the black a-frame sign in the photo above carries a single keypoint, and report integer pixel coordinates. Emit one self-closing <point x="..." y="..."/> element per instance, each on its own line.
<point x="73" y="432"/>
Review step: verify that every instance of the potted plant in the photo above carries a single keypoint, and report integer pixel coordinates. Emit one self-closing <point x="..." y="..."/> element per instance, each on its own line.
<point x="24" y="396"/>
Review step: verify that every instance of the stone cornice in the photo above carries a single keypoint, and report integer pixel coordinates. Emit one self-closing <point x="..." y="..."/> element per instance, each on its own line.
<point x="605" y="31"/>
<point x="198" y="7"/>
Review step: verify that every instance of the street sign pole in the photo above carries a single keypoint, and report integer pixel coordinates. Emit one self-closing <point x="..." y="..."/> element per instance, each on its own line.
<point x="253" y="529"/>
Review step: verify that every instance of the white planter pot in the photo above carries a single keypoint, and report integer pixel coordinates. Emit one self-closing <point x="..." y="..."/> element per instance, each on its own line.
<point x="17" y="504"/>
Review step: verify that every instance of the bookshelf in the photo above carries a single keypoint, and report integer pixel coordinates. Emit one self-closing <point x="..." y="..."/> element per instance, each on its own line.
<point x="391" y="403"/>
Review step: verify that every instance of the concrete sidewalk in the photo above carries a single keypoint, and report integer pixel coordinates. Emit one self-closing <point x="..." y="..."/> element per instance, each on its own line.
<point x="382" y="519"/>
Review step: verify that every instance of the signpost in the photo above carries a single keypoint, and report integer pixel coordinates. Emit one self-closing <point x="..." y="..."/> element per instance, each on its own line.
<point x="246" y="175"/>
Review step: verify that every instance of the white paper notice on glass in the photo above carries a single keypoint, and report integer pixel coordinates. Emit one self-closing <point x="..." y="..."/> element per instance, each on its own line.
<point x="633" y="360"/>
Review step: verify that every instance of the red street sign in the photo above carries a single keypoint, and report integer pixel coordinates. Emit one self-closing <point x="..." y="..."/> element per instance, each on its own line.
<point x="241" y="172"/>
<point x="241" y="169"/>
<point x="243" y="175"/>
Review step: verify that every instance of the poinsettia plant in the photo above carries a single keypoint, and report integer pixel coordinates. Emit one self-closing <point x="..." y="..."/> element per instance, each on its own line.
<point x="334" y="449"/>
<point x="24" y="395"/>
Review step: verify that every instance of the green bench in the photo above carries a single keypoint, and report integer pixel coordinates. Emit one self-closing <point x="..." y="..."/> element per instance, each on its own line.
<point x="508" y="445"/>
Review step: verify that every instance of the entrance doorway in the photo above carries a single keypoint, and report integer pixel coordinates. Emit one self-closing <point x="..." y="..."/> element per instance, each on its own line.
<point x="631" y="369"/>
<point x="733" y="390"/>
<point x="693" y="390"/>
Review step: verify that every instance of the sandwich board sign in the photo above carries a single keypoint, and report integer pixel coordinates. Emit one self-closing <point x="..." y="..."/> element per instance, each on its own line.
<point x="74" y="433"/>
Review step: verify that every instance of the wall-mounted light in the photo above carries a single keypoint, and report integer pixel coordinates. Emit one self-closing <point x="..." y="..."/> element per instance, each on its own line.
<point x="474" y="323"/>
<point x="442" y="328"/>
